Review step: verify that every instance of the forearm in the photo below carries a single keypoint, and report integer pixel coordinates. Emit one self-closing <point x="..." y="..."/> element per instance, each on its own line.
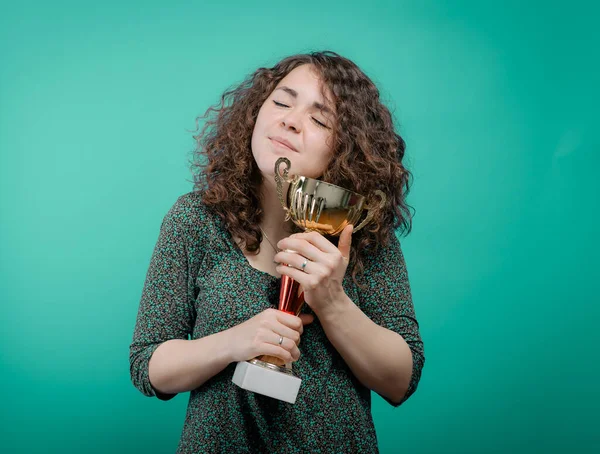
<point x="378" y="357"/>
<point x="180" y="365"/>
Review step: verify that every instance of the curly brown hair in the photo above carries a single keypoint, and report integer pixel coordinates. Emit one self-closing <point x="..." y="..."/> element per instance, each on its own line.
<point x="367" y="152"/>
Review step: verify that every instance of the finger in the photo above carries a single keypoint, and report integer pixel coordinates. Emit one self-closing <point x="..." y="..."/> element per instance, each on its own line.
<point x="286" y="332"/>
<point x="288" y="320"/>
<point x="302" y="247"/>
<point x="295" y="353"/>
<point x="346" y="241"/>
<point x="277" y="351"/>
<point x="307" y="319"/>
<point x="315" y="239"/>
<point x="305" y="279"/>
<point x="286" y="343"/>
<point x="297" y="261"/>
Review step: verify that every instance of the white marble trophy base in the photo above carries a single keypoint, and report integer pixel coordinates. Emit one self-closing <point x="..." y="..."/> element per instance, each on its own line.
<point x="258" y="377"/>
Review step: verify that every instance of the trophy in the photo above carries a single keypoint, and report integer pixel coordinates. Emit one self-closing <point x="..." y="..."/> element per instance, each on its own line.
<point x="316" y="206"/>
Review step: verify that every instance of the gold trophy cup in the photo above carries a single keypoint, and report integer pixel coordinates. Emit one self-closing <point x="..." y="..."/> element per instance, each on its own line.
<point x="316" y="206"/>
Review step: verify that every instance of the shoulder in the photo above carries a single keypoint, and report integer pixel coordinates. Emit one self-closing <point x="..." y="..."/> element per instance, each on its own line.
<point x="189" y="214"/>
<point x="376" y="255"/>
<point x="190" y="207"/>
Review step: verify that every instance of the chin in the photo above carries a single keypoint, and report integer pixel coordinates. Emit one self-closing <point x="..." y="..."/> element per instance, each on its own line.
<point x="266" y="164"/>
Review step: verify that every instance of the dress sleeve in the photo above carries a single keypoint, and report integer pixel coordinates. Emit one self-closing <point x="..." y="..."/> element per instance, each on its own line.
<point x="386" y="299"/>
<point x="166" y="310"/>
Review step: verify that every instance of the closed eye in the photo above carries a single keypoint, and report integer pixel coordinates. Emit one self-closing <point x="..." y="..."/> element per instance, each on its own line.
<point x="323" y="125"/>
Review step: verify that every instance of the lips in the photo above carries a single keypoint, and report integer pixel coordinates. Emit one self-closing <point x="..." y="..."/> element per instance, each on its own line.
<point x="283" y="142"/>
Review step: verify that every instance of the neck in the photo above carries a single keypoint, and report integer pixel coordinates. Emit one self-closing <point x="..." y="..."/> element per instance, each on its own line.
<point x="273" y="213"/>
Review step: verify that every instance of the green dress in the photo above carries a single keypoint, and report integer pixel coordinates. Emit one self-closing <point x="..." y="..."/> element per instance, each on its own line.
<point x="200" y="283"/>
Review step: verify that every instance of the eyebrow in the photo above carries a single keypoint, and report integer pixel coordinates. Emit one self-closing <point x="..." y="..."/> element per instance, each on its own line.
<point x="294" y="94"/>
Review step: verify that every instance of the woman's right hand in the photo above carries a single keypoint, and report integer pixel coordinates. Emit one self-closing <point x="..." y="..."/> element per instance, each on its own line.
<point x="260" y="336"/>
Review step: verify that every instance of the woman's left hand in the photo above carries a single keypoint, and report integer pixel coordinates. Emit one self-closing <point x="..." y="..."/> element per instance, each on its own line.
<point x="318" y="266"/>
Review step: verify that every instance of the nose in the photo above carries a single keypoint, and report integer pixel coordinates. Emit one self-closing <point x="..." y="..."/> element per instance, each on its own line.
<point x="291" y="121"/>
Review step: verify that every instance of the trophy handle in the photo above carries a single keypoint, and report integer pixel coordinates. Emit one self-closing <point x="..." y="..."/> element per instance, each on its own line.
<point x="371" y="210"/>
<point x="281" y="178"/>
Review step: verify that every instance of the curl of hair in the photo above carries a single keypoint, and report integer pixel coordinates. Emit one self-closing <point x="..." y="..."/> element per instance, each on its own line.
<point x="367" y="153"/>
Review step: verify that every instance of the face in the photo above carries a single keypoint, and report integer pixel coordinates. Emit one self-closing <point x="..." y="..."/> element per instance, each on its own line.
<point x="295" y="122"/>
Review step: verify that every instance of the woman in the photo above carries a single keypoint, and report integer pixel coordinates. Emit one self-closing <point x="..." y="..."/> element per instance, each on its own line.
<point x="215" y="272"/>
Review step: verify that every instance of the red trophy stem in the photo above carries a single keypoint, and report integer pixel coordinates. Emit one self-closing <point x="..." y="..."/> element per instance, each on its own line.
<point x="290" y="302"/>
<point x="289" y="299"/>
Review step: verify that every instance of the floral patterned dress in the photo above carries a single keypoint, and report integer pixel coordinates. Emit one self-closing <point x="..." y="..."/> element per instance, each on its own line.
<point x="200" y="283"/>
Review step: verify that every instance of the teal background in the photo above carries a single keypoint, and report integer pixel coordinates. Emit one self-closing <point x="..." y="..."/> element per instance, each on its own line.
<point x="498" y="103"/>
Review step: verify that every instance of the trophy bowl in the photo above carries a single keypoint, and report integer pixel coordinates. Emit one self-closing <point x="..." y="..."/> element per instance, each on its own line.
<point x="314" y="206"/>
<point x="317" y="206"/>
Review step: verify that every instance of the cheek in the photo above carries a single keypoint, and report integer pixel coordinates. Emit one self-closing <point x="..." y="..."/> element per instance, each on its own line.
<point x="257" y="132"/>
<point x="322" y="143"/>
<point x="265" y="114"/>
<point x="321" y="152"/>
<point x="317" y="138"/>
<point x="259" y="119"/>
